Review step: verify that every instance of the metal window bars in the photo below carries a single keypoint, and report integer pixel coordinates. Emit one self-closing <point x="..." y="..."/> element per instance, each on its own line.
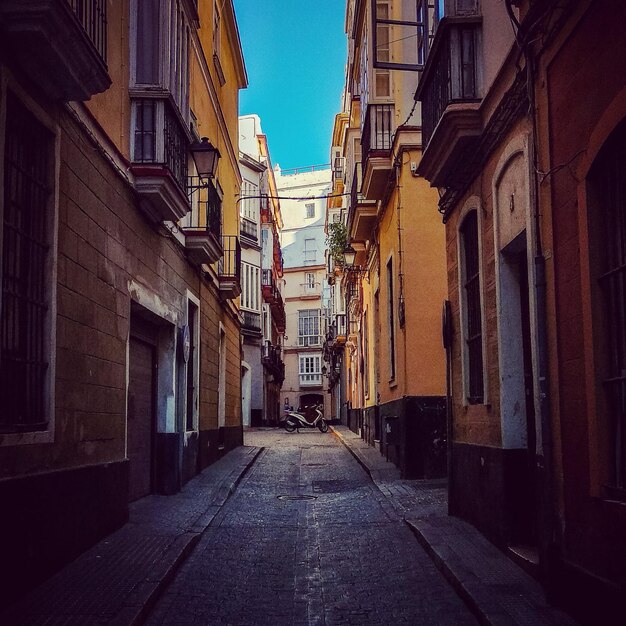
<point x="92" y="15"/>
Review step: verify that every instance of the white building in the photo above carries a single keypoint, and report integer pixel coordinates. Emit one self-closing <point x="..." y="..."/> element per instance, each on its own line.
<point x="262" y="310"/>
<point x="305" y="291"/>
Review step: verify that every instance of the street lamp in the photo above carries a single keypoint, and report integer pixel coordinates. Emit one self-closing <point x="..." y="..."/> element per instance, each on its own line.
<point x="349" y="255"/>
<point x="205" y="156"/>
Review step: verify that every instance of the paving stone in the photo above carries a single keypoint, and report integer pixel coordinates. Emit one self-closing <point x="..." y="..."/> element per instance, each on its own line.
<point x="341" y="556"/>
<point x="116" y="580"/>
<point x="496" y="589"/>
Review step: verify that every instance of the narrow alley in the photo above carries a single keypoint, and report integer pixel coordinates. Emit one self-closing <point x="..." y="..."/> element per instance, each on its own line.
<point x="307" y="538"/>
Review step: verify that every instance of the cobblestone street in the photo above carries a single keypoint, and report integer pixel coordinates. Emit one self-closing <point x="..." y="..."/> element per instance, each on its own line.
<point x="307" y="538"/>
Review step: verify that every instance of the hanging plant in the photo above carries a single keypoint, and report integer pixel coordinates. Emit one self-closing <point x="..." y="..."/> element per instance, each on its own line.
<point x="337" y="240"/>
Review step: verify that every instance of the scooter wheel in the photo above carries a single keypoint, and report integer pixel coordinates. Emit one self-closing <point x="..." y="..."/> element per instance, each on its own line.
<point x="289" y="426"/>
<point x="323" y="426"/>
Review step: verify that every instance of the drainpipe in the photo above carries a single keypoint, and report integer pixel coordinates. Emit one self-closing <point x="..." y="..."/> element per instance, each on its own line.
<point x="547" y="527"/>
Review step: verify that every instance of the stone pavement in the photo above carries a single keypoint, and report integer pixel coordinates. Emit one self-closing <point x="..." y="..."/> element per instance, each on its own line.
<point x="308" y="539"/>
<point x="497" y="590"/>
<point x="118" y="580"/>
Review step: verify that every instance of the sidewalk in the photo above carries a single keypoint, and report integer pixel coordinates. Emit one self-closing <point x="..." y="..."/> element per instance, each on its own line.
<point x="496" y="590"/>
<point x="119" y="579"/>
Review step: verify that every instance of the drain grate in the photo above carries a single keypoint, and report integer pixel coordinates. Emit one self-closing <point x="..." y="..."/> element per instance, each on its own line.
<point x="287" y="496"/>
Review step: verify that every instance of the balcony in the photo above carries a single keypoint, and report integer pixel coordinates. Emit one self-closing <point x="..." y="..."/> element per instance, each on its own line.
<point x="160" y="147"/>
<point x="311" y="380"/>
<point x="202" y="227"/>
<point x="229" y="268"/>
<point x="272" y="362"/>
<point x="249" y="231"/>
<point x="61" y="45"/>
<point x="251" y="323"/>
<point x="362" y="212"/>
<point x="449" y="91"/>
<point x="273" y="297"/>
<point x="376" y="143"/>
<point x="310" y="291"/>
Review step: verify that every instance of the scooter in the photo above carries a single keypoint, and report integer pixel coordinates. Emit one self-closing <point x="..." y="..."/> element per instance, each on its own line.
<point x="295" y="421"/>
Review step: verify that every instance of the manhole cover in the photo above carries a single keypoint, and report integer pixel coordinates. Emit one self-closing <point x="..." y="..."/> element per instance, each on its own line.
<point x="300" y="497"/>
<point x="334" y="486"/>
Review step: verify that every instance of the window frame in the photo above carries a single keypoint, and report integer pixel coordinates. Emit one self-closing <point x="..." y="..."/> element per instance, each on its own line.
<point x="307" y="340"/>
<point x="13" y="437"/>
<point x="313" y="251"/>
<point x="194" y="360"/>
<point x="315" y="360"/>
<point x="468" y="363"/>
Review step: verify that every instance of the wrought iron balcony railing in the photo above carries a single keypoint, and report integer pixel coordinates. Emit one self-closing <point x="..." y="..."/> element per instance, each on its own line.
<point x="377" y="129"/>
<point x="355" y="190"/>
<point x="249" y="229"/>
<point x="92" y="15"/>
<point x="251" y="321"/>
<point x="229" y="266"/>
<point x="159" y="137"/>
<point x="206" y="208"/>
<point x="451" y="73"/>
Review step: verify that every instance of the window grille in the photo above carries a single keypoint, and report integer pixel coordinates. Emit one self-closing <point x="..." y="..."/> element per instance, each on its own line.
<point x="23" y="316"/>
<point x="608" y="179"/>
<point x="473" y="311"/>
<point x="310" y="210"/>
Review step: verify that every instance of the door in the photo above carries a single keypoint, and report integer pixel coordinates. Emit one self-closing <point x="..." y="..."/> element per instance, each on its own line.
<point x="140" y="418"/>
<point x="246" y="395"/>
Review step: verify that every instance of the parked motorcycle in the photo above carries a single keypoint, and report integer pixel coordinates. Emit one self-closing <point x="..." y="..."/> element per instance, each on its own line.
<point x="295" y="421"/>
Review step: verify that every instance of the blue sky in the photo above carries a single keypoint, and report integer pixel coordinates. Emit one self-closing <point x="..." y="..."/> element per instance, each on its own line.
<point x="295" y="53"/>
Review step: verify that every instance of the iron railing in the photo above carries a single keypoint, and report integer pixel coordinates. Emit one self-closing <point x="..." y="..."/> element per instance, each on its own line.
<point x="24" y="282"/>
<point x="251" y="321"/>
<point x="92" y="15"/>
<point x="147" y="131"/>
<point x="176" y="146"/>
<point x="206" y="208"/>
<point x="377" y="129"/>
<point x="355" y="190"/>
<point x="229" y="265"/>
<point x="451" y="74"/>
<point x="249" y="229"/>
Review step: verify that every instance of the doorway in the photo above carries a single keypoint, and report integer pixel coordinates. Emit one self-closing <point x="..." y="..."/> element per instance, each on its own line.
<point x="141" y="413"/>
<point x="517" y="392"/>
<point x="246" y="395"/>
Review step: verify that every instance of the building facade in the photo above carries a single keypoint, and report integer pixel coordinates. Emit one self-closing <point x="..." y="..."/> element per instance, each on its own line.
<point x="119" y="350"/>
<point x="263" y="311"/>
<point x="525" y="147"/>
<point x="303" y="200"/>
<point x="393" y="360"/>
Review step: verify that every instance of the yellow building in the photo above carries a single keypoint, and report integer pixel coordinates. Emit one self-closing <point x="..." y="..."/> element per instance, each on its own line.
<point x="394" y="362"/>
<point x="123" y="376"/>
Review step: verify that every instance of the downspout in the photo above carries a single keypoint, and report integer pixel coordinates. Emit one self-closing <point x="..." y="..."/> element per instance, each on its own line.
<point x="545" y="462"/>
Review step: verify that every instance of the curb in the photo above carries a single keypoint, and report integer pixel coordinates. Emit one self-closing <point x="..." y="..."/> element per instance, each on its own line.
<point x="136" y="614"/>
<point x="352" y="452"/>
<point x="450" y="576"/>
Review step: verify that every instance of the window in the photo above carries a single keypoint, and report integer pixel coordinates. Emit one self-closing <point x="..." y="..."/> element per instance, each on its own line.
<point x="26" y="296"/>
<point x="310" y="368"/>
<point x="391" y="321"/>
<point x="192" y="366"/>
<point x="250" y="281"/>
<point x="250" y="201"/>
<point x="608" y="187"/>
<point x="470" y="280"/>
<point x="309" y="327"/>
<point x="309" y="281"/>
<point x="366" y="373"/>
<point x="310" y="251"/>
<point x="217" y="30"/>
<point x="310" y="210"/>
<point x="160" y="26"/>
<point x="160" y="64"/>
<point x="381" y="76"/>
